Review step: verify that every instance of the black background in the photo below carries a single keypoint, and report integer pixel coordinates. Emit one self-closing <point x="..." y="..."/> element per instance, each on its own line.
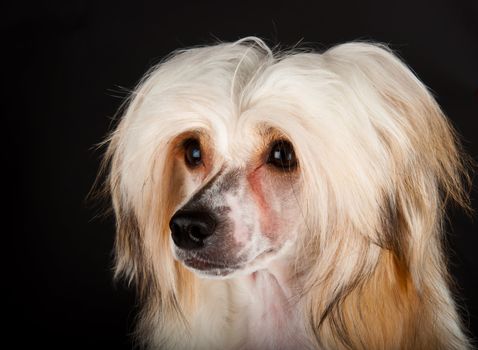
<point x="66" y="68"/>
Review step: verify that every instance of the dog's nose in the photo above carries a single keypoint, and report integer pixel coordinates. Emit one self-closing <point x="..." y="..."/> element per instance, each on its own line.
<point x="189" y="229"/>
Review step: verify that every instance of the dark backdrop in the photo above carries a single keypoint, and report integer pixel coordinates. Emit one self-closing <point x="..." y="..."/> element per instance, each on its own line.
<point x="67" y="67"/>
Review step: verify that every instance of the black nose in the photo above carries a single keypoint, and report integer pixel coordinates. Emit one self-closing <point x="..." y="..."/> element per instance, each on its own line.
<point x="189" y="229"/>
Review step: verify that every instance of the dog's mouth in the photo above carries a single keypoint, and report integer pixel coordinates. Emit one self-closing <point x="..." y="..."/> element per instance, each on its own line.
<point x="205" y="266"/>
<point x="208" y="267"/>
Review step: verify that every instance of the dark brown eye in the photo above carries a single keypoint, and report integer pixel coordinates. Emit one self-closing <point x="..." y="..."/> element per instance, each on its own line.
<point x="282" y="156"/>
<point x="192" y="153"/>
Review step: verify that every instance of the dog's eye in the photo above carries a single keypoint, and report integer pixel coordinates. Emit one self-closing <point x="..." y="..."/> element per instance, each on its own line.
<point x="193" y="155"/>
<point x="282" y="156"/>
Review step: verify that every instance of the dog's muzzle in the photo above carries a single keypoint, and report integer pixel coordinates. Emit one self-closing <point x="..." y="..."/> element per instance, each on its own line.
<point x="189" y="229"/>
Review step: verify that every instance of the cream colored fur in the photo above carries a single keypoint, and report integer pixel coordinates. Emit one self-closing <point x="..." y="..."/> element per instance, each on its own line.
<point x="378" y="161"/>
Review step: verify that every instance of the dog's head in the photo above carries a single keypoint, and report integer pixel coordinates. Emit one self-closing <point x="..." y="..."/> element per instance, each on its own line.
<point x="229" y="157"/>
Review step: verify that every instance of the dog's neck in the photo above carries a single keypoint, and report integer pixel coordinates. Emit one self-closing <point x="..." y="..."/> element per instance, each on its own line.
<point x="272" y="315"/>
<point x="275" y="279"/>
<point x="254" y="311"/>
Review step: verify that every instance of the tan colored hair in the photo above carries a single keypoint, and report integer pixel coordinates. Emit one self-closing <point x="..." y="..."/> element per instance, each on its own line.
<point x="379" y="163"/>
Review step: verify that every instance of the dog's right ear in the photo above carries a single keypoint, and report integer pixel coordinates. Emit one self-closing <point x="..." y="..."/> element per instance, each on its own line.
<point x="128" y="249"/>
<point x="129" y="252"/>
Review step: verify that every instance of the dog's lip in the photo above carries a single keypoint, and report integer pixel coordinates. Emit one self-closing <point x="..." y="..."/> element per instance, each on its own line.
<point x="206" y="264"/>
<point x="216" y="267"/>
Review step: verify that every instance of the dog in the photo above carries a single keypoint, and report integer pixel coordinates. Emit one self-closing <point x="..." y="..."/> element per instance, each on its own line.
<point x="269" y="199"/>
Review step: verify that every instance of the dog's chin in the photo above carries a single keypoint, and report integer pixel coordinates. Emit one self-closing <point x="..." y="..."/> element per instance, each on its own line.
<point x="211" y="269"/>
<point x="206" y="268"/>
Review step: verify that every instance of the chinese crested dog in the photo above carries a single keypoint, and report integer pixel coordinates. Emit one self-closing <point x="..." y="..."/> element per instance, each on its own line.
<point x="286" y="200"/>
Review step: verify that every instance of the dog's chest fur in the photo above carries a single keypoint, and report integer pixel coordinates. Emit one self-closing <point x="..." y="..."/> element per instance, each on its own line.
<point x="251" y="312"/>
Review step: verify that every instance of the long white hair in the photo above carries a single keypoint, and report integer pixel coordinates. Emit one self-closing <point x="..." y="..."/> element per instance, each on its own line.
<point x="378" y="162"/>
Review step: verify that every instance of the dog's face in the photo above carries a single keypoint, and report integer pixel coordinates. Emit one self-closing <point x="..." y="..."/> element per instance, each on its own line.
<point x="238" y="213"/>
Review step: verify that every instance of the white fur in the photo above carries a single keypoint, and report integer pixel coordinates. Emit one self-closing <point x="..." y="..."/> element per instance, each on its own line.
<point x="367" y="134"/>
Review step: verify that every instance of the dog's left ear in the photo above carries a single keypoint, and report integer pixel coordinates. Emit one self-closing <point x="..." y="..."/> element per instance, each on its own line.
<point x="422" y="151"/>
